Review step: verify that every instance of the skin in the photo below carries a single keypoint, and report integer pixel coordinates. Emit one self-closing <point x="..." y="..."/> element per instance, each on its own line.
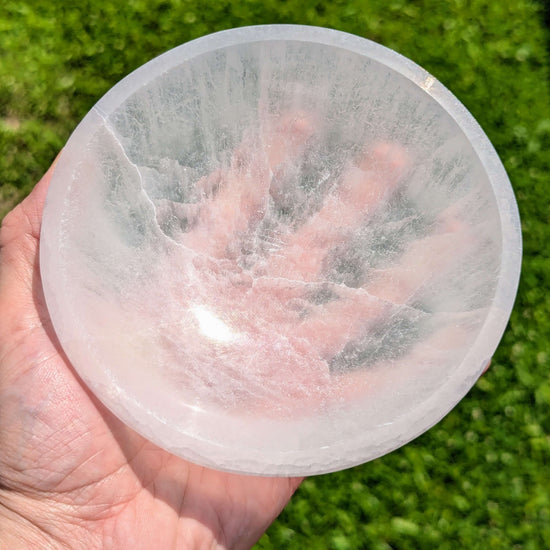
<point x="71" y="474"/>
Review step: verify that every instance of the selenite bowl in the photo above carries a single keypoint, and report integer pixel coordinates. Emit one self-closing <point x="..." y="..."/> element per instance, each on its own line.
<point x="279" y="250"/>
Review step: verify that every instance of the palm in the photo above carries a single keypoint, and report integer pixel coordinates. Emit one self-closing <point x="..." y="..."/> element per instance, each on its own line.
<point x="62" y="450"/>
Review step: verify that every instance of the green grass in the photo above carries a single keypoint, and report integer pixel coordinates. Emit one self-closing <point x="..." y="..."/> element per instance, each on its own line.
<point x="480" y="478"/>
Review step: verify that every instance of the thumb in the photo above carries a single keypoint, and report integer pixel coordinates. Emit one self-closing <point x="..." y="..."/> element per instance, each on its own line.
<point x="19" y="236"/>
<point x="26" y="218"/>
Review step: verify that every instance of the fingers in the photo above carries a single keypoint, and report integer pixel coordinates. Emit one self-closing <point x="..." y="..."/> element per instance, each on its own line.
<point x="351" y="313"/>
<point x="19" y="237"/>
<point x="241" y="193"/>
<point x="330" y="326"/>
<point x="423" y="260"/>
<point x="286" y="141"/>
<point x="363" y="189"/>
<point x="426" y="358"/>
<point x="370" y="184"/>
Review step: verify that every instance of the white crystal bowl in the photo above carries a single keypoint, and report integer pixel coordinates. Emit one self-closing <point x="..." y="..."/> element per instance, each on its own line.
<point x="279" y="250"/>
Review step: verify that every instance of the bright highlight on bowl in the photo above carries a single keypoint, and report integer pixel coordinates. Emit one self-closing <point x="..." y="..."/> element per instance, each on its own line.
<point x="280" y="250"/>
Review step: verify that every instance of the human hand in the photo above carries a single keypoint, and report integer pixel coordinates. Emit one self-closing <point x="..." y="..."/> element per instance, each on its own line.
<point x="71" y="474"/>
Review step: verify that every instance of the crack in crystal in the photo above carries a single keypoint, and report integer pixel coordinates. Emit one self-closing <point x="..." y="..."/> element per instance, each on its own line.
<point x="112" y="132"/>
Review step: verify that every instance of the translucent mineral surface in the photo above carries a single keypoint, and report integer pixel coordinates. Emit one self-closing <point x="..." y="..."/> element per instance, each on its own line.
<point x="275" y="256"/>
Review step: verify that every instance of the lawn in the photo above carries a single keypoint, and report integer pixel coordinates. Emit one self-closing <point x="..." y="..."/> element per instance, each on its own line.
<point x="481" y="477"/>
